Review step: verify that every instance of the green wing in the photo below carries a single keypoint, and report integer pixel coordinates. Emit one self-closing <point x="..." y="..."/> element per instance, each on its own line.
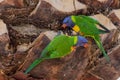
<point x="58" y="47"/>
<point x="89" y="19"/>
<point x="86" y="27"/>
<point x="93" y="21"/>
<point x="89" y="29"/>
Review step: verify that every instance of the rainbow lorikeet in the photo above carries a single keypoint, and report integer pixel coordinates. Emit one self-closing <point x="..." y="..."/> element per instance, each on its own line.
<point x="59" y="47"/>
<point x="86" y="26"/>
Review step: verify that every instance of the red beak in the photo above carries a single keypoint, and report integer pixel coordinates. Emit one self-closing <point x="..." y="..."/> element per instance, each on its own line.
<point x="64" y="26"/>
<point x="86" y="45"/>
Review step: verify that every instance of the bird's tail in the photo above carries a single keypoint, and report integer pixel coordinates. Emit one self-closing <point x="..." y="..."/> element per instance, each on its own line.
<point x="98" y="42"/>
<point x="34" y="64"/>
<point x="103" y="27"/>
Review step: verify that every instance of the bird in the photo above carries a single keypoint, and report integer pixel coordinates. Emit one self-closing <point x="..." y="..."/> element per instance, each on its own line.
<point x="87" y="27"/>
<point x="60" y="46"/>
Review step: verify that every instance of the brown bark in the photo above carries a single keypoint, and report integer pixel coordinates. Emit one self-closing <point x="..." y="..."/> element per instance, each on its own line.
<point x="101" y="5"/>
<point x="115" y="17"/>
<point x="46" y="14"/>
<point x="108" y="71"/>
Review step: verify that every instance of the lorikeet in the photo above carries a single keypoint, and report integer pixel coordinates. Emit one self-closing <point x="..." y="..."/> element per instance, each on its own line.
<point x="59" y="47"/>
<point x="86" y="26"/>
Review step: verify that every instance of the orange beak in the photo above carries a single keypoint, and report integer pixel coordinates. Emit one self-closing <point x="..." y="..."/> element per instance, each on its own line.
<point x="64" y="26"/>
<point x="86" y="45"/>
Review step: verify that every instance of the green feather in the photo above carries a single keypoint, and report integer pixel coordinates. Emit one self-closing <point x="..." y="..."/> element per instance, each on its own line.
<point x="89" y="19"/>
<point x="102" y="31"/>
<point x="93" y="21"/>
<point x="85" y="26"/>
<point x="60" y="46"/>
<point x="35" y="63"/>
<point x="98" y="42"/>
<point x="88" y="28"/>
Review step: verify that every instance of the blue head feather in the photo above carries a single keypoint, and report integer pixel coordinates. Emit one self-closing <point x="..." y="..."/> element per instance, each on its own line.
<point x="68" y="22"/>
<point x="81" y="41"/>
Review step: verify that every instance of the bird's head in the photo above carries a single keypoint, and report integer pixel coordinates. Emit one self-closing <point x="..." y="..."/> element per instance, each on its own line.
<point x="82" y="42"/>
<point x="67" y="23"/>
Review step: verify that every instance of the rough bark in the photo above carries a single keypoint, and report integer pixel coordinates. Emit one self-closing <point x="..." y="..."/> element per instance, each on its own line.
<point x="97" y="6"/>
<point x="115" y="17"/>
<point x="108" y="71"/>
<point x="4" y="39"/>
